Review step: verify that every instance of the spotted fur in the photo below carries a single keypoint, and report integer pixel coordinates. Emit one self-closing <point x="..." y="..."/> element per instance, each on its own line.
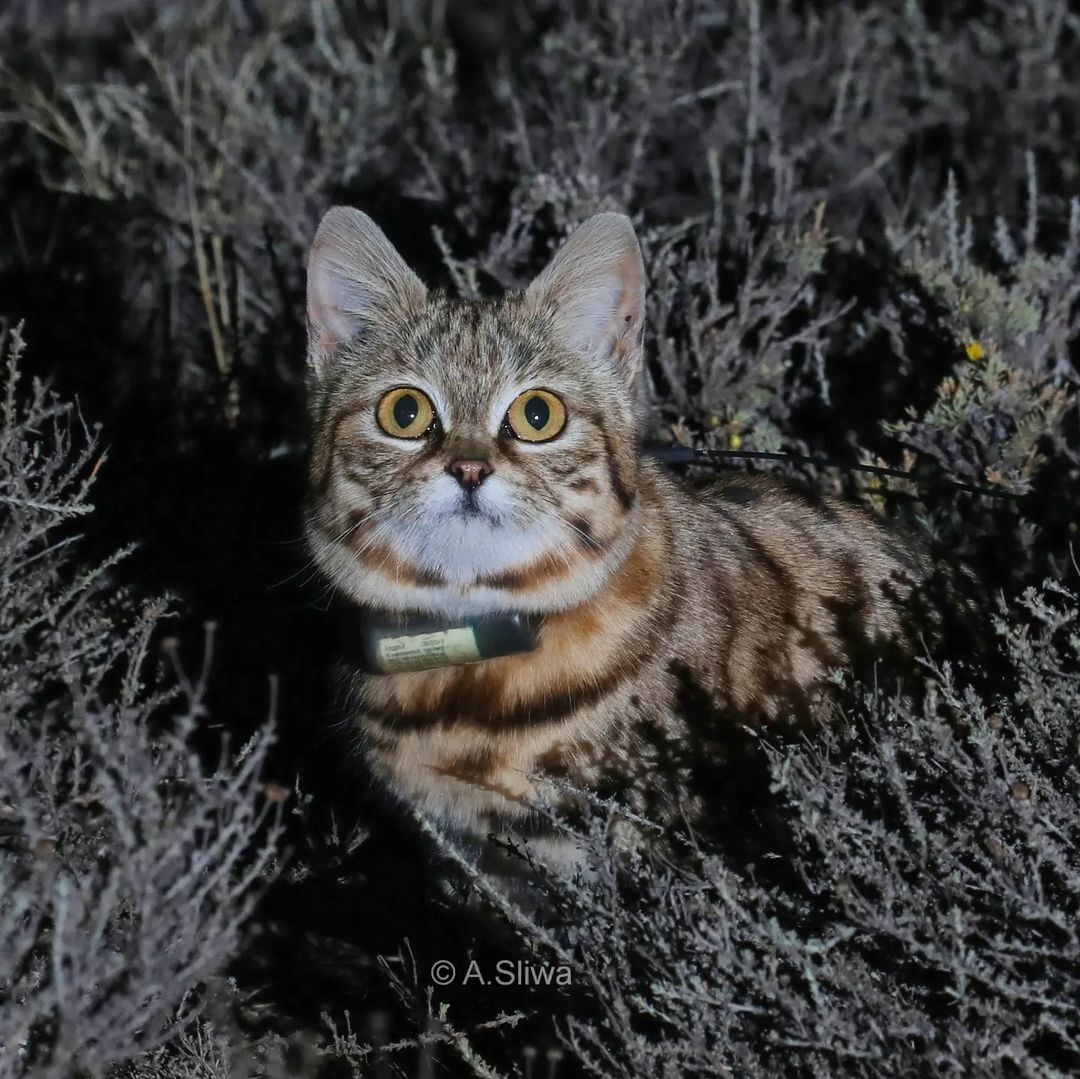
<point x="748" y="589"/>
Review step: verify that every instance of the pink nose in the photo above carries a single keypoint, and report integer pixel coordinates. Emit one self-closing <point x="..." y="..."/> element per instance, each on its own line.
<point x="470" y="474"/>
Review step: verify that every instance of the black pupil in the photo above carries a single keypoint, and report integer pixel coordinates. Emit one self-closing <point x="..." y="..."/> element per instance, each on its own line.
<point x="537" y="412"/>
<point x="406" y="409"/>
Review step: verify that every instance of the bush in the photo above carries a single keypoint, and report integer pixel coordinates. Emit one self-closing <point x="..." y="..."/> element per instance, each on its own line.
<point x="862" y="233"/>
<point x="126" y="867"/>
<point x="911" y="908"/>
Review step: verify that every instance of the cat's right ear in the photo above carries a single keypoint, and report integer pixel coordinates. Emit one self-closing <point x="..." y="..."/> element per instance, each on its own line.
<point x="594" y="291"/>
<point x="355" y="278"/>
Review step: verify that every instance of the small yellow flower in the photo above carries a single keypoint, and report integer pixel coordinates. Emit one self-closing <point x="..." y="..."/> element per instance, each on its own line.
<point x="875" y="483"/>
<point x="734" y="442"/>
<point x="714" y="421"/>
<point x="974" y="351"/>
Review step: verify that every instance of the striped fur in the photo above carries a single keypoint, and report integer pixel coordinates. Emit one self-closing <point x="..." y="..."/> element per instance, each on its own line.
<point x="749" y="589"/>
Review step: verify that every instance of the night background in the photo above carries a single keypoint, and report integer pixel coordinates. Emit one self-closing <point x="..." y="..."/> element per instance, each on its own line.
<point x="861" y="229"/>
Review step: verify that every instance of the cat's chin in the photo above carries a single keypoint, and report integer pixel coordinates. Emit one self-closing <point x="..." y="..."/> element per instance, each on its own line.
<point x="461" y="546"/>
<point x="466" y="566"/>
<point x="468" y="602"/>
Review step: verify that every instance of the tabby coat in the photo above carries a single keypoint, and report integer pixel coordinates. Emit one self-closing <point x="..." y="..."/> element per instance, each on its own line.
<point x="747" y="590"/>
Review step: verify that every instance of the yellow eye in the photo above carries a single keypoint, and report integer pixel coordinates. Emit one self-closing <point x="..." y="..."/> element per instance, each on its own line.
<point x="536" y="416"/>
<point x="405" y="412"/>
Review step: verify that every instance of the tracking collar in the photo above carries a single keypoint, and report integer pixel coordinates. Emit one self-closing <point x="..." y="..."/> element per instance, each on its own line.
<point x="390" y="642"/>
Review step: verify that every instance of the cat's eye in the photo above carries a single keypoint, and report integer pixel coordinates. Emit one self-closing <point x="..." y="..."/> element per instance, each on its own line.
<point x="405" y="412"/>
<point x="536" y="416"/>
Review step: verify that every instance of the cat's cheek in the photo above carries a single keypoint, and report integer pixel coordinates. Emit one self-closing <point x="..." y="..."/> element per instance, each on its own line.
<point x="602" y="517"/>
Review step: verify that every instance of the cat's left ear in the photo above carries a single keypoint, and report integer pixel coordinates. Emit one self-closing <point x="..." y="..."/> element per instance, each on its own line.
<point x="355" y="281"/>
<point x="594" y="288"/>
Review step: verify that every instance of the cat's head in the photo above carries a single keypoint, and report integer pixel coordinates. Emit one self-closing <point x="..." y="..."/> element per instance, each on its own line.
<point x="472" y="456"/>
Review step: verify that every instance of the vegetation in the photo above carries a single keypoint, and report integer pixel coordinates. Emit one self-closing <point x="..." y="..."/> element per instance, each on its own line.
<point x="861" y="224"/>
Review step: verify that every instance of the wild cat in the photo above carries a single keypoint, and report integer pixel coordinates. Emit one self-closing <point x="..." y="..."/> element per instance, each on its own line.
<point x="471" y="457"/>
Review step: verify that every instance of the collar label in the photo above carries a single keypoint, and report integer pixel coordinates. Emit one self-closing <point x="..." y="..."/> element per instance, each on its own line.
<point x="421" y="651"/>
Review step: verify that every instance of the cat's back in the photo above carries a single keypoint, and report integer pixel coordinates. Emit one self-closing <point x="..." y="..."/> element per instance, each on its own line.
<point x="776" y="518"/>
<point x="784" y="582"/>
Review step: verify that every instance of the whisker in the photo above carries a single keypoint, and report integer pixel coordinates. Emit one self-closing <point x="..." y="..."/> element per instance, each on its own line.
<point x="584" y="535"/>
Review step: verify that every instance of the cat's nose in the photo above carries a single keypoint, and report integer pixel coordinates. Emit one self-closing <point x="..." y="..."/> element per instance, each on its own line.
<point x="470" y="474"/>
